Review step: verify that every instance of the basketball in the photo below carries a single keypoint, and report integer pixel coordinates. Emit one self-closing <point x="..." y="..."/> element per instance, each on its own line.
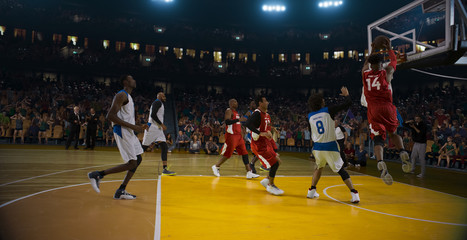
<point x="380" y="41"/>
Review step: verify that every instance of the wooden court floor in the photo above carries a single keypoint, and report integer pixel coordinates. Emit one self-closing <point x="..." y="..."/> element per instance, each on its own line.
<point x="45" y="194"/>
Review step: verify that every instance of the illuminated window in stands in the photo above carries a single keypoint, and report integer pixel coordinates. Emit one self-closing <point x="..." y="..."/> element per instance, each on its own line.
<point x="2" y="30"/>
<point x="203" y="53"/>
<point x="282" y="57"/>
<point x="20" y="33"/>
<point x="72" y="39"/>
<point x="325" y="55"/>
<point x="106" y="44"/>
<point x="163" y="49"/>
<point x="296" y="57"/>
<point x="191" y="53"/>
<point x="57" y="38"/>
<point x="150" y="49"/>
<point x="119" y="46"/>
<point x="86" y="43"/>
<point x="230" y="56"/>
<point x="253" y="57"/>
<point x="217" y="56"/>
<point x="178" y="53"/>
<point x="338" y="54"/>
<point x="353" y="54"/>
<point x="307" y="58"/>
<point x="243" y="57"/>
<point x="134" y="46"/>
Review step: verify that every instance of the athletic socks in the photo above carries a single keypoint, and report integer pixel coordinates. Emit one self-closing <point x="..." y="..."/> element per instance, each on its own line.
<point x="122" y="187"/>
<point x="313" y="187"/>
<point x="354" y="191"/>
<point x="165" y="167"/>
<point x="101" y="174"/>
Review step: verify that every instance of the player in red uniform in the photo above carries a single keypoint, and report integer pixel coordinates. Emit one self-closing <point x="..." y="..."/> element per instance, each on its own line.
<point x="233" y="140"/>
<point x="259" y="124"/>
<point x="382" y="115"/>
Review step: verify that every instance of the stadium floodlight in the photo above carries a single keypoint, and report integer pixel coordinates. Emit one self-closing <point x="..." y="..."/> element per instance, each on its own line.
<point x="273" y="8"/>
<point x="326" y="4"/>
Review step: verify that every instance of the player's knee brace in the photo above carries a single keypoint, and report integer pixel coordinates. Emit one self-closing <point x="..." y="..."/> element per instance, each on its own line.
<point x="378" y="141"/>
<point x="164" y="149"/>
<point x="344" y="174"/>
<point x="139" y="159"/>
<point x="245" y="159"/>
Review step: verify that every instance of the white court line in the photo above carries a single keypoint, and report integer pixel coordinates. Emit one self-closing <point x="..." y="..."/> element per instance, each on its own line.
<point x="53" y="189"/>
<point x="157" y="227"/>
<point x="388" y="214"/>
<point x="71" y="170"/>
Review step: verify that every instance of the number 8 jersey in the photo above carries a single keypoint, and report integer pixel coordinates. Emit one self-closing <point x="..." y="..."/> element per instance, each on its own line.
<point x="322" y="126"/>
<point x="376" y="88"/>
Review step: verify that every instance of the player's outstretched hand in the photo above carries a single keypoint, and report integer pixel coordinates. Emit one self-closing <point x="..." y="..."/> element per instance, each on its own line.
<point x="344" y="92"/>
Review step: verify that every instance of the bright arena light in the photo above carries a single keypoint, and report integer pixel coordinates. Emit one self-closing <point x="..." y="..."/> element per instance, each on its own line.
<point x="273" y="8"/>
<point x="325" y="4"/>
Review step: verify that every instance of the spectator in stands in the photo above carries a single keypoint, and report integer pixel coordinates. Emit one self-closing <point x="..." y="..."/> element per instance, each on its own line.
<point x="211" y="148"/>
<point x="448" y="150"/>
<point x="182" y="140"/>
<point x="461" y="155"/>
<point x="75" y="121"/>
<point x="4" y="123"/>
<point x="207" y="132"/>
<point x="19" y="125"/>
<point x="362" y="156"/>
<point x="195" y="144"/>
<point x="43" y="127"/>
<point x="349" y="152"/>
<point x="91" y="121"/>
<point x="170" y="142"/>
<point x="307" y="138"/>
<point x="282" y="138"/>
<point x="418" y="128"/>
<point x="109" y="137"/>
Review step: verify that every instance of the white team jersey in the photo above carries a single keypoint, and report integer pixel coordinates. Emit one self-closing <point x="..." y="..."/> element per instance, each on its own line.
<point x="127" y="111"/>
<point x="322" y="126"/>
<point x="160" y="114"/>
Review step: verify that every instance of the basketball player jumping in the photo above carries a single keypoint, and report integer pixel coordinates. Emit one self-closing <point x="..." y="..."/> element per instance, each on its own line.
<point x="259" y="124"/>
<point x="122" y="116"/>
<point x="233" y="140"/>
<point x="325" y="146"/>
<point x="382" y="116"/>
<point x="155" y="132"/>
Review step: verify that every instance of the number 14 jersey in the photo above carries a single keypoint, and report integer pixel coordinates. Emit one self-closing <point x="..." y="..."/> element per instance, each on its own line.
<point x="376" y="88"/>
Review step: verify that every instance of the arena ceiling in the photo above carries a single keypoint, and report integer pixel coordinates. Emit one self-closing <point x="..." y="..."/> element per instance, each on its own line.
<point x="244" y="13"/>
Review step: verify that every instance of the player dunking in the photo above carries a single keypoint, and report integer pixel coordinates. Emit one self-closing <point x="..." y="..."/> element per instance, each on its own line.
<point x="156" y="129"/>
<point x="259" y="125"/>
<point x="233" y="140"/>
<point x="122" y="116"/>
<point x="382" y="116"/>
<point x="325" y="146"/>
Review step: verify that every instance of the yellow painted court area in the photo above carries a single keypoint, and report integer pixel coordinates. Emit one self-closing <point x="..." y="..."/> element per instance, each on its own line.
<point x="235" y="208"/>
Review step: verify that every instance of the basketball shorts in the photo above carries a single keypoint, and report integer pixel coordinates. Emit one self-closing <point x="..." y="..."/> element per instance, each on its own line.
<point x="153" y="134"/>
<point x="265" y="152"/>
<point x="382" y="119"/>
<point x="127" y="143"/>
<point x="233" y="142"/>
<point x="329" y="153"/>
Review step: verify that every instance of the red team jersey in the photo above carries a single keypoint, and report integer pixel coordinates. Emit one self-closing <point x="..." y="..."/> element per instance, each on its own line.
<point x="233" y="138"/>
<point x="235" y="128"/>
<point x="382" y="114"/>
<point x="376" y="88"/>
<point x="262" y="146"/>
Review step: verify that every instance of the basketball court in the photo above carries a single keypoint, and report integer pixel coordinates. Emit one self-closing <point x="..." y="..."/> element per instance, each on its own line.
<point x="45" y="190"/>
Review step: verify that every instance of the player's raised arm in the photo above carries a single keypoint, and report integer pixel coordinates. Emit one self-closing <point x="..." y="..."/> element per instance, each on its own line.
<point x="333" y="110"/>
<point x="391" y="68"/>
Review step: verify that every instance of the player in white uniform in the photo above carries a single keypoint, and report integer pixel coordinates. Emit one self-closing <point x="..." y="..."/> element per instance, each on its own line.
<point x="155" y="132"/>
<point x="325" y="147"/>
<point x="122" y="116"/>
